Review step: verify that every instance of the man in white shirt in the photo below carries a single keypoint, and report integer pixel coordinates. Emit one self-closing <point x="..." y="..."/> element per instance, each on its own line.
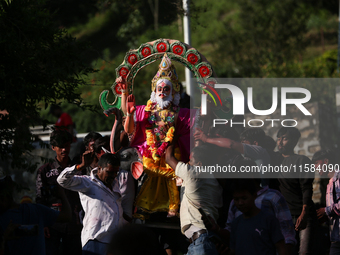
<point x="198" y="192"/>
<point x="101" y="199"/>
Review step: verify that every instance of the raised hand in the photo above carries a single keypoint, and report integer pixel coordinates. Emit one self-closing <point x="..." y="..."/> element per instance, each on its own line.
<point x="131" y="104"/>
<point x="87" y="159"/>
<point x="122" y="84"/>
<point x="199" y="135"/>
<point x="114" y="111"/>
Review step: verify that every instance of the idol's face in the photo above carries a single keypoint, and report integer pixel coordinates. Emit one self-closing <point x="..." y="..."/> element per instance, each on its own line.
<point x="163" y="90"/>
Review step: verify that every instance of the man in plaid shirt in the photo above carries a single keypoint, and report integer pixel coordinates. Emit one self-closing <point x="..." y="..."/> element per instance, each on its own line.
<point x="324" y="161"/>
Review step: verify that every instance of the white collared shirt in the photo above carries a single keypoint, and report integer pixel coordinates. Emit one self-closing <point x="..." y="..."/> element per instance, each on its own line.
<point x="103" y="210"/>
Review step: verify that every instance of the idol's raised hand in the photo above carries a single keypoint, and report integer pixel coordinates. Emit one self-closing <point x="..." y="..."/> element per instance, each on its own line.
<point x="131" y="104"/>
<point x="122" y="84"/>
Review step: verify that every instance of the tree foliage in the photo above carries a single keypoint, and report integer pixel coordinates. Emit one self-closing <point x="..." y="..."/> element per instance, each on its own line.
<point x="40" y="63"/>
<point x="267" y="32"/>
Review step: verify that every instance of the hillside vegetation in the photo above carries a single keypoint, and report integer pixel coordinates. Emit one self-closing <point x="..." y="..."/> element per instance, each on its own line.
<point x="291" y="38"/>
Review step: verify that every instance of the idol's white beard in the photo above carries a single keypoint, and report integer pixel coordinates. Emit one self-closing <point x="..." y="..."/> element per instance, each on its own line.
<point x="161" y="102"/>
<point x="164" y="102"/>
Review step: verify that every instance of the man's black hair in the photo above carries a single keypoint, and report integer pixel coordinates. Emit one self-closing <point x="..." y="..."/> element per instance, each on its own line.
<point x="101" y="142"/>
<point x="324" y="154"/>
<point x="60" y="137"/>
<point x="91" y="136"/>
<point x="253" y="134"/>
<point x="291" y="132"/>
<point x="239" y="185"/>
<point x="225" y="132"/>
<point x="109" y="159"/>
<point x="206" y="153"/>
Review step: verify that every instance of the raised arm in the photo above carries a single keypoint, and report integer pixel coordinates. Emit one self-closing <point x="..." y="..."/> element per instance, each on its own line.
<point x="69" y="178"/>
<point x="116" y="138"/>
<point x="125" y="93"/>
<point x="129" y="125"/>
<point x="220" y="141"/>
<point x="169" y="156"/>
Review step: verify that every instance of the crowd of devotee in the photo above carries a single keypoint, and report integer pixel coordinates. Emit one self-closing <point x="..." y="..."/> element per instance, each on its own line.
<point x="138" y="191"/>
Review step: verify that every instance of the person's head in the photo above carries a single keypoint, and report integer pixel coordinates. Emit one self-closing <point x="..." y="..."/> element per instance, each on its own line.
<point x="244" y="194"/>
<point x="60" y="141"/>
<point x="287" y="138"/>
<point x="321" y="159"/>
<point x="101" y="146"/>
<point x="108" y="167"/>
<point x="6" y="193"/>
<point x="203" y="155"/>
<point x="253" y="136"/>
<point x="56" y="110"/>
<point x="89" y="140"/>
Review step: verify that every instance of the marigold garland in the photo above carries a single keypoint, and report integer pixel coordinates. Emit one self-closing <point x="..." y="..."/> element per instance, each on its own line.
<point x="156" y="153"/>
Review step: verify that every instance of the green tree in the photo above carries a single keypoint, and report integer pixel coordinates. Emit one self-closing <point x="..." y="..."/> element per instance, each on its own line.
<point x="267" y="33"/>
<point x="40" y="64"/>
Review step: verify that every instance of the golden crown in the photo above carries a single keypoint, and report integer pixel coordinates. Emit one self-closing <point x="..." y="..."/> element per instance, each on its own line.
<point x="166" y="71"/>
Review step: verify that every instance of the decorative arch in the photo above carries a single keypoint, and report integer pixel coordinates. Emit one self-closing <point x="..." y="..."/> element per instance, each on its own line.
<point x="150" y="52"/>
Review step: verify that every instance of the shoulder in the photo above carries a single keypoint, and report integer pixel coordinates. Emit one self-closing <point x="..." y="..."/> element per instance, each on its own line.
<point x="181" y="166"/>
<point x="301" y="158"/>
<point x="296" y="158"/>
<point x="254" y="151"/>
<point x="273" y="193"/>
<point x="254" y="148"/>
<point x="184" y="111"/>
<point x="237" y="220"/>
<point x="45" y="167"/>
<point x="140" y="107"/>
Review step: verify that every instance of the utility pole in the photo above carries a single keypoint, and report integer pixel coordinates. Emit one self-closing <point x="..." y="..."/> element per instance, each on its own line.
<point x="187" y="40"/>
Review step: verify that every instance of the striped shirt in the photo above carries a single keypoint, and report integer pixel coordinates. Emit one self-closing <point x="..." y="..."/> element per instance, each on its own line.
<point x="333" y="206"/>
